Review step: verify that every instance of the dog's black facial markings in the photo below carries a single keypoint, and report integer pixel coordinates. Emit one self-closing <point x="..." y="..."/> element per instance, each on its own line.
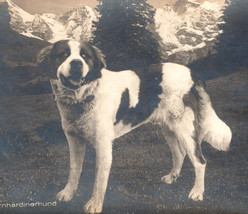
<point x="93" y="58"/>
<point x="59" y="53"/>
<point x="62" y="55"/>
<point x="150" y="89"/>
<point x="83" y="53"/>
<point x="51" y="57"/>
<point x="61" y="49"/>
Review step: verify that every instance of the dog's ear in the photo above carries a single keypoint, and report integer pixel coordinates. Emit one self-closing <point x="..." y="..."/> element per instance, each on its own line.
<point x="100" y="58"/>
<point x="98" y="64"/>
<point x="43" y="56"/>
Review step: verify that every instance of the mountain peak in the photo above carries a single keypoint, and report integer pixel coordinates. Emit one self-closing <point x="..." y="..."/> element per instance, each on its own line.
<point x="211" y="6"/>
<point x="76" y="23"/>
<point x="167" y="7"/>
<point x="10" y="3"/>
<point x="188" y="26"/>
<point x="181" y="6"/>
<point x="80" y="11"/>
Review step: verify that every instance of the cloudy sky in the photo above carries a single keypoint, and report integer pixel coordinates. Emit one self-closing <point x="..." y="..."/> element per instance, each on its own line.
<point x="58" y="6"/>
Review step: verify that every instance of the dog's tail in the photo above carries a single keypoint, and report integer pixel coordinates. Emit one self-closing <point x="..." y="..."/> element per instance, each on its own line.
<point x="214" y="130"/>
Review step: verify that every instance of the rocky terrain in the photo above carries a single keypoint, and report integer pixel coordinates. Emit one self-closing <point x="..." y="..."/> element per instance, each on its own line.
<point x="188" y="29"/>
<point x="76" y="24"/>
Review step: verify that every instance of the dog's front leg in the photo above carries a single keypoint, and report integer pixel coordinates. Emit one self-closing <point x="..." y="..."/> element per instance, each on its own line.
<point x="77" y="152"/>
<point x="103" y="164"/>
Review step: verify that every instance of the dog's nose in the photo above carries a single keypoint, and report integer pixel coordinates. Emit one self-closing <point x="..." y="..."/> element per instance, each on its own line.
<point x="76" y="64"/>
<point x="76" y="69"/>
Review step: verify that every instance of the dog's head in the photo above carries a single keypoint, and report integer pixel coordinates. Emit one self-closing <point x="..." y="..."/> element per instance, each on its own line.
<point x="72" y="63"/>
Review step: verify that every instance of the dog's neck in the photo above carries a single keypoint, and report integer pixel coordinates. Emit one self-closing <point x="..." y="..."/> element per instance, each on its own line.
<point x="84" y="94"/>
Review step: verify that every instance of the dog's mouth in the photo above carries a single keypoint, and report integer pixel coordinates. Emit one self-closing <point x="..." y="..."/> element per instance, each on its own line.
<point x="72" y="83"/>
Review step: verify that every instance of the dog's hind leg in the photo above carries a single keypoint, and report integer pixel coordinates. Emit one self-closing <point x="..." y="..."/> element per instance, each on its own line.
<point x="77" y="152"/>
<point x="199" y="164"/>
<point x="186" y="134"/>
<point x="178" y="155"/>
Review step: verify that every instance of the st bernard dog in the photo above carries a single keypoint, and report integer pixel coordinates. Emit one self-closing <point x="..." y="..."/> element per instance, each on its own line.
<point x="98" y="105"/>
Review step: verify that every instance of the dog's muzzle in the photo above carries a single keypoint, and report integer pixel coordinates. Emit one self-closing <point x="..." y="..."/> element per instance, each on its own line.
<point x="76" y="70"/>
<point x="74" y="79"/>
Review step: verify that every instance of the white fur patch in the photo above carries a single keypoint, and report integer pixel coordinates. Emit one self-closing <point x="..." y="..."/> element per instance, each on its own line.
<point x="108" y="96"/>
<point x="176" y="79"/>
<point x="115" y="83"/>
<point x="176" y="83"/>
<point x="185" y="127"/>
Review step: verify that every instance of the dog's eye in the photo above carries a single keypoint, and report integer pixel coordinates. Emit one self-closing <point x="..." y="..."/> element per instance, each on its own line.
<point x="65" y="54"/>
<point x="83" y="54"/>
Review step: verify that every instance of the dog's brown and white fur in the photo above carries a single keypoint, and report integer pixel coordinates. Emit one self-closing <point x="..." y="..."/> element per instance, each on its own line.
<point x="98" y="105"/>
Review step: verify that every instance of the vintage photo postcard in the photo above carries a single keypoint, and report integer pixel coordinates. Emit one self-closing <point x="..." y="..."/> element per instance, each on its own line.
<point x="123" y="106"/>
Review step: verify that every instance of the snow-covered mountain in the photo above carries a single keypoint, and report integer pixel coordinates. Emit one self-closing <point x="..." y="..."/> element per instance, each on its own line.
<point x="76" y="24"/>
<point x="188" y="29"/>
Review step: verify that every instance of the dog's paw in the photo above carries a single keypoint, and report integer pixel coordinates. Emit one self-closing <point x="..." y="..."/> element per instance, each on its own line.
<point x="65" y="195"/>
<point x="93" y="206"/>
<point x="196" y="194"/>
<point x="169" y="179"/>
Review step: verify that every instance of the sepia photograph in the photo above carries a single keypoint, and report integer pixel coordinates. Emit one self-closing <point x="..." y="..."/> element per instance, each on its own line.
<point x="124" y="106"/>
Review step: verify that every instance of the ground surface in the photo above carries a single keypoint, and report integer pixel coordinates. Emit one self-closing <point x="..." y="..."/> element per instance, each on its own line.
<point x="34" y="161"/>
